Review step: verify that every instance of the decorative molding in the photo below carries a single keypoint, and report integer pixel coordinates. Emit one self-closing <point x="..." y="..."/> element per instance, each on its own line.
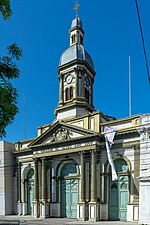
<point x="61" y="134"/>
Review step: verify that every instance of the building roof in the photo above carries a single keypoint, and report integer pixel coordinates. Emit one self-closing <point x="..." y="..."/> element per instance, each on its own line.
<point x="75" y="52"/>
<point x="76" y="22"/>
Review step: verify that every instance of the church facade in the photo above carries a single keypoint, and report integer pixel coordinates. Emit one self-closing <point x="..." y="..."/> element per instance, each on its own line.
<point x="64" y="171"/>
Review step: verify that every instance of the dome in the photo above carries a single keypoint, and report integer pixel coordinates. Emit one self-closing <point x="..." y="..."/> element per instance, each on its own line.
<point x="76" y="22"/>
<point x="75" y="52"/>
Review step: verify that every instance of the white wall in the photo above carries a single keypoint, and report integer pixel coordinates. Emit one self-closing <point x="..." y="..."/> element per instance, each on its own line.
<point x="144" y="210"/>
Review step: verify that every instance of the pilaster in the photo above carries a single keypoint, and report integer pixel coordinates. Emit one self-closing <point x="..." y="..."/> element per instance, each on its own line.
<point x="19" y="204"/>
<point x="36" y="206"/>
<point x="60" y="89"/>
<point x="136" y="173"/>
<point x="24" y="203"/>
<point x="81" y="207"/>
<point x="44" y="204"/>
<point x="76" y="82"/>
<point x="93" y="204"/>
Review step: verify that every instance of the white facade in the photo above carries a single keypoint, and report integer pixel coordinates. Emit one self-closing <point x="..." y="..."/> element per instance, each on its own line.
<point x="144" y="179"/>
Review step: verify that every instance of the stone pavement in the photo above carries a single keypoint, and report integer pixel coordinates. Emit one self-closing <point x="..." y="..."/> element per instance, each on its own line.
<point x="29" y="220"/>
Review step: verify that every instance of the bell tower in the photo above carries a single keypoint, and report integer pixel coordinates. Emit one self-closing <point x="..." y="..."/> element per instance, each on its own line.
<point x="76" y="76"/>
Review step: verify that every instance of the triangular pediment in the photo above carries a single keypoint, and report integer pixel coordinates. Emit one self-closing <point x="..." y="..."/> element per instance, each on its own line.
<point x="61" y="132"/>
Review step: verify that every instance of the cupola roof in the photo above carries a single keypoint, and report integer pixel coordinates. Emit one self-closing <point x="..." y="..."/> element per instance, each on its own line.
<point x="76" y="23"/>
<point x="76" y="51"/>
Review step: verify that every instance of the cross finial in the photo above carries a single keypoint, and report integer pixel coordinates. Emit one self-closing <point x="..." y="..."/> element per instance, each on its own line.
<point x="76" y="8"/>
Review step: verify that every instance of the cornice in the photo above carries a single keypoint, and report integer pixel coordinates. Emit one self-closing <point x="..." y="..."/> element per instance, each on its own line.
<point x="74" y="63"/>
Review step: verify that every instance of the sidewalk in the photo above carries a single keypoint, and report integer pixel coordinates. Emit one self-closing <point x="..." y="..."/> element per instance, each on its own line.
<point x="29" y="220"/>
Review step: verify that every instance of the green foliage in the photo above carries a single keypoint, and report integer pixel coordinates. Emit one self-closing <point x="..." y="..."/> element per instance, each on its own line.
<point x="8" y="72"/>
<point x="8" y="94"/>
<point x="5" y="9"/>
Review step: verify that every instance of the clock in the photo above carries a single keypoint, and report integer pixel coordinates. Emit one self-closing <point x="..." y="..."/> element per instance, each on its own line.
<point x="69" y="79"/>
<point x="87" y="81"/>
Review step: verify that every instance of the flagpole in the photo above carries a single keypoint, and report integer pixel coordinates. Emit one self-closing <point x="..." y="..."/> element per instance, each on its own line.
<point x="130" y="94"/>
<point x="24" y="107"/>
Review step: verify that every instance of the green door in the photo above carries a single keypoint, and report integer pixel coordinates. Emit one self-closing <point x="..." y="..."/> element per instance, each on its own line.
<point x="69" y="198"/>
<point x="113" y="200"/>
<point x="118" y="193"/>
<point x="30" y="191"/>
<point x="123" y="197"/>
<point x="69" y="190"/>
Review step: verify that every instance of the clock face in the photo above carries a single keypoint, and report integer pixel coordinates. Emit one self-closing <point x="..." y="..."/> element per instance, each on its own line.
<point x="87" y="81"/>
<point x="69" y="79"/>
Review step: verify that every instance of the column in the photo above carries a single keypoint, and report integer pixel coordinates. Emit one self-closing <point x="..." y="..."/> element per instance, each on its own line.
<point x="35" y="180"/>
<point x="92" y="83"/>
<point x="43" y="181"/>
<point x="48" y="183"/>
<point x="76" y="82"/>
<point x="81" y="204"/>
<point x="136" y="173"/>
<point x="53" y="185"/>
<point x="24" y="203"/>
<point x="82" y="199"/>
<point x="93" y="204"/>
<point x="93" y="177"/>
<point x="60" y="89"/>
<point x="19" y="182"/>
<point x="36" y="210"/>
<point x="44" y="205"/>
<point x="82" y="77"/>
<point x="19" y="208"/>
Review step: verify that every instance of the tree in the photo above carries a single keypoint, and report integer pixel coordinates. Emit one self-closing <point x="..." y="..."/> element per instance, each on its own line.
<point x="5" y="9"/>
<point x="8" y="72"/>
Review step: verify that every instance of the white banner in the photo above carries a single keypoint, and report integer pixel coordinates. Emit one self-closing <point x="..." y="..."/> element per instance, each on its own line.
<point x="109" y="137"/>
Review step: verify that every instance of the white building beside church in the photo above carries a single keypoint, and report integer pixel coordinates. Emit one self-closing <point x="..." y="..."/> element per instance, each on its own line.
<point x="144" y="179"/>
<point x="64" y="171"/>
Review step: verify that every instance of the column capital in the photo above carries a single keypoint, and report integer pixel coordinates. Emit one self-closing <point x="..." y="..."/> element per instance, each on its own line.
<point x="43" y="159"/>
<point x="82" y="153"/>
<point x="35" y="160"/>
<point x="76" y="69"/>
<point x="93" y="152"/>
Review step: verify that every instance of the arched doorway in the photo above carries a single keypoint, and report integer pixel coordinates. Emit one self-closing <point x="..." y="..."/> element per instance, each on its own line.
<point x="30" y="191"/>
<point x="69" y="190"/>
<point x="118" y="192"/>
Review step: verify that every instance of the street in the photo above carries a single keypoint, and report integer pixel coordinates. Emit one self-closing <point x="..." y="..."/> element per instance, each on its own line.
<point x="28" y="220"/>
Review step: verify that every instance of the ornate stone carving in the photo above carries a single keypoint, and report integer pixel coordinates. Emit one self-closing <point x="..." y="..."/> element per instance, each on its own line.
<point x="123" y="186"/>
<point x="61" y="134"/>
<point x="137" y="148"/>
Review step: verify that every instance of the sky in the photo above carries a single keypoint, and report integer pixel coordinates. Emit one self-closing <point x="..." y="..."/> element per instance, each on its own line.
<point x="112" y="34"/>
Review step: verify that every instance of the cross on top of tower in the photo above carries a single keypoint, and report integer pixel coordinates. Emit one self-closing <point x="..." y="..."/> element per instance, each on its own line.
<point x="76" y="8"/>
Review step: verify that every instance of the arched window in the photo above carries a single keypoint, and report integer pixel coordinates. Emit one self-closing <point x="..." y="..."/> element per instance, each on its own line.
<point x="73" y="37"/>
<point x="69" y="169"/>
<point x="87" y="95"/>
<point x="81" y="40"/>
<point x="67" y="94"/>
<point x="71" y="93"/>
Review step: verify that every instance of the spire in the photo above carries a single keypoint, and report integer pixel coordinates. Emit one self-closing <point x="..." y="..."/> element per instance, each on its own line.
<point x="76" y="8"/>
<point x="76" y="31"/>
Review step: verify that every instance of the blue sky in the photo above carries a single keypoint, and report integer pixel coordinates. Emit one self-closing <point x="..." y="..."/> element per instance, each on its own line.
<point x="111" y="34"/>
